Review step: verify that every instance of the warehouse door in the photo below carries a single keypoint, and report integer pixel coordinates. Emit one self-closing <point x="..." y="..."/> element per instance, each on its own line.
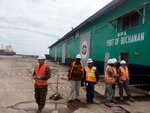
<point x="85" y="47"/>
<point x="124" y="56"/>
<point x="63" y="52"/>
<point x="55" y="53"/>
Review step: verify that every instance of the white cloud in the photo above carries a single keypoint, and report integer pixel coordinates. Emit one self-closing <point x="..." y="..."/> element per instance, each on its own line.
<point x="33" y="25"/>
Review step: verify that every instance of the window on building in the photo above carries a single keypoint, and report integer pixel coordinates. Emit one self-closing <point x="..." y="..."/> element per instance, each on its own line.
<point x="130" y="20"/>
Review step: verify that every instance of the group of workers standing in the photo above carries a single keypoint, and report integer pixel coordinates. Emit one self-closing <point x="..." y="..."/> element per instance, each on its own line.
<point x="90" y="76"/>
<point x="114" y="76"/>
<point x="78" y="76"/>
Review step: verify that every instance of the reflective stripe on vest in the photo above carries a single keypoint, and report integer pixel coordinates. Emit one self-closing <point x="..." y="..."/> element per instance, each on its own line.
<point x="73" y="64"/>
<point x="107" y="77"/>
<point x="90" y="74"/>
<point x="124" y="73"/>
<point x="40" y="71"/>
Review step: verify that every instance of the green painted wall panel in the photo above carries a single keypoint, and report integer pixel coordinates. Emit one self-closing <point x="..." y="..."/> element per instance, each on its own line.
<point x="52" y="52"/>
<point x="59" y="51"/>
<point x="72" y="47"/>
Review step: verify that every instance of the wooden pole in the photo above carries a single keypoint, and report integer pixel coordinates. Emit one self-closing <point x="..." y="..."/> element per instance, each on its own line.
<point x="57" y="77"/>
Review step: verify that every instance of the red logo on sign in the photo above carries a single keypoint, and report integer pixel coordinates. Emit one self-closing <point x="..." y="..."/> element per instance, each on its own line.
<point x="84" y="49"/>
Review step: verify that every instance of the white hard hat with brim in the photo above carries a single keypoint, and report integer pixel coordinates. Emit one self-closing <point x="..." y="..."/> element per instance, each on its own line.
<point x="122" y="62"/>
<point x="90" y="60"/>
<point x="78" y="56"/>
<point x="41" y="56"/>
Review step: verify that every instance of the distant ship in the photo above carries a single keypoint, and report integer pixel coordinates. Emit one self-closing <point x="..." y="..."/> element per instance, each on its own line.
<point x="8" y="50"/>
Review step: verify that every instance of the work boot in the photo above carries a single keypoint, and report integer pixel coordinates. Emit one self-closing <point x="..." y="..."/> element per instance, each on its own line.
<point x="69" y="101"/>
<point x="107" y="103"/>
<point x="114" y="101"/>
<point x="77" y="100"/>
<point x="131" y="99"/>
<point x="121" y="98"/>
<point x="39" y="111"/>
<point x="90" y="102"/>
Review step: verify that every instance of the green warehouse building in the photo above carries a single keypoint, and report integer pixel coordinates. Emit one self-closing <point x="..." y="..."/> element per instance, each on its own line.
<point x="120" y="30"/>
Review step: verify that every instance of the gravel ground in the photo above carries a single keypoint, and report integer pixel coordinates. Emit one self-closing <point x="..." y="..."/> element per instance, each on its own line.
<point x="17" y="92"/>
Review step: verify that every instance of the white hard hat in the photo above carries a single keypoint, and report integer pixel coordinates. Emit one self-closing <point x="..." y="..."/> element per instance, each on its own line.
<point x="78" y="56"/>
<point x="114" y="59"/>
<point x="122" y="62"/>
<point x="110" y="61"/>
<point x="89" y="60"/>
<point x="41" y="56"/>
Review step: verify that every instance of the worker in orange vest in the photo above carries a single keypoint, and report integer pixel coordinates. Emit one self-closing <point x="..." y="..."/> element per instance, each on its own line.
<point x="76" y="73"/>
<point x="110" y="79"/>
<point x="91" y="78"/>
<point x="124" y="80"/>
<point x="41" y="75"/>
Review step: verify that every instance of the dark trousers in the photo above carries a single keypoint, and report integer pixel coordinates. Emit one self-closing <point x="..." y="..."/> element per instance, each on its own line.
<point x="40" y="96"/>
<point x="113" y="89"/>
<point x="90" y="91"/>
<point x="125" y="85"/>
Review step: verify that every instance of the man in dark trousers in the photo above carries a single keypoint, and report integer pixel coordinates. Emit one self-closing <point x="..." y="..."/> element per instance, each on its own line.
<point x="41" y="75"/>
<point x="124" y="80"/>
<point x="91" y="78"/>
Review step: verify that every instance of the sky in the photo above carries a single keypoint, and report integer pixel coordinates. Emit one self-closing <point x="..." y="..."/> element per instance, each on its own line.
<point x="31" y="26"/>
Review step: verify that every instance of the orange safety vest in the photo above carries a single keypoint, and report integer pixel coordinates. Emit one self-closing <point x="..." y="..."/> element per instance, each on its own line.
<point x="115" y="70"/>
<point x="124" y="73"/>
<point x="107" y="77"/>
<point x="73" y="64"/>
<point x="40" y="71"/>
<point x="90" y="74"/>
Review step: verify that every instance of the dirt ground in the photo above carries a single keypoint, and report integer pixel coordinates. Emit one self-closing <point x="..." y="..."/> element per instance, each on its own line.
<point x="17" y="91"/>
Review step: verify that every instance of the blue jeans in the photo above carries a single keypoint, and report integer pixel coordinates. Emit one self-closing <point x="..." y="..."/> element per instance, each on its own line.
<point x="90" y="91"/>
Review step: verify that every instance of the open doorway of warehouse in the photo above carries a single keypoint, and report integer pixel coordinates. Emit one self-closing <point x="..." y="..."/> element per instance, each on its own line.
<point x="124" y="56"/>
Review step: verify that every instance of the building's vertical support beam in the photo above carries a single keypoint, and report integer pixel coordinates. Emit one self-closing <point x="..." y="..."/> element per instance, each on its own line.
<point x="116" y="25"/>
<point x="144" y="10"/>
